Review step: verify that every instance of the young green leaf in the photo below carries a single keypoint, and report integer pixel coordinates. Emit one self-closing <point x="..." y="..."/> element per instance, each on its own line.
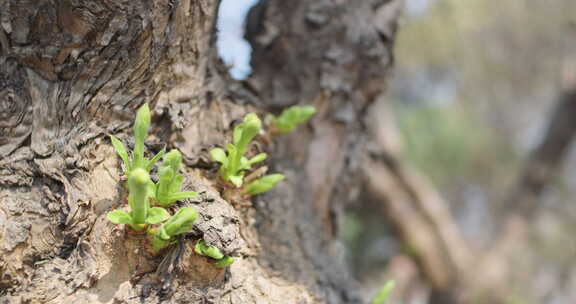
<point x="119" y="217"/>
<point x="211" y="251"/>
<point x="174" y="197"/>
<point x="263" y="184"/>
<point x="150" y="163"/>
<point x="214" y="253"/>
<point x="236" y="180"/>
<point x="121" y="150"/>
<point x="292" y="117"/>
<point x="307" y="112"/>
<point x="152" y="190"/>
<point x="384" y="293"/>
<point x="180" y="223"/>
<point x="246" y="131"/>
<point x="219" y="155"/>
<point x="256" y="159"/>
<point x="138" y="198"/>
<point x="229" y="169"/>
<point x="173" y="159"/>
<point x="157" y="215"/>
<point x="225" y="261"/>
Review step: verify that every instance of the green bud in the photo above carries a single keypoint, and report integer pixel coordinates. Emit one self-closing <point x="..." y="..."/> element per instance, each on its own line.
<point x="141" y="126"/>
<point x="168" y="187"/>
<point x="173" y="159"/>
<point x="250" y="128"/>
<point x="138" y="195"/>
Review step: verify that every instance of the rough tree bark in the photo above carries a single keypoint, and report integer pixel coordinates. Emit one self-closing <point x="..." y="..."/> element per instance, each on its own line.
<point x="72" y="71"/>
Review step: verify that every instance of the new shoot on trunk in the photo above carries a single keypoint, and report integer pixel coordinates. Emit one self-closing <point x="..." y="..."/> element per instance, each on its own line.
<point x="137" y="159"/>
<point x="233" y="162"/>
<point x="170" y="181"/>
<point x="140" y="214"/>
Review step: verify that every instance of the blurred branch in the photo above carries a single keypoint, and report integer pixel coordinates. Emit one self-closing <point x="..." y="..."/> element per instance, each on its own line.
<point x="425" y="224"/>
<point x="416" y="209"/>
<point x="544" y="163"/>
<point x="420" y="217"/>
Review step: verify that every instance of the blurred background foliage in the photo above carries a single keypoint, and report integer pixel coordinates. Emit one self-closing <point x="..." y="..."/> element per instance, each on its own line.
<point x="474" y="84"/>
<point x="475" y="81"/>
<point x="450" y="145"/>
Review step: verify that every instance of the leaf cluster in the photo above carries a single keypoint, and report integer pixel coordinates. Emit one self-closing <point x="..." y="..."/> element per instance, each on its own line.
<point x="167" y="190"/>
<point x="233" y="162"/>
<point x="142" y="191"/>
<point x="139" y="201"/>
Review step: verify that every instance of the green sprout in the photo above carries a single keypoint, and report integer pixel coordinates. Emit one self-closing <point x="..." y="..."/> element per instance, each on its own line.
<point x="234" y="162"/>
<point x="213" y="252"/>
<point x="384" y="293"/>
<point x="169" y="183"/>
<point x="141" y="126"/>
<point x="263" y="184"/>
<point x="140" y="214"/>
<point x="292" y="117"/>
<point x="180" y="223"/>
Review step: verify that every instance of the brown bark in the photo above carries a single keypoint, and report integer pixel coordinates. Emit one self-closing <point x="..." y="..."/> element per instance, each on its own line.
<point x="72" y="71"/>
<point x="336" y="55"/>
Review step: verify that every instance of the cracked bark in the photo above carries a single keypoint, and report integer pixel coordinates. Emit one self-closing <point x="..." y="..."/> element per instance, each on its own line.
<point x="72" y="71"/>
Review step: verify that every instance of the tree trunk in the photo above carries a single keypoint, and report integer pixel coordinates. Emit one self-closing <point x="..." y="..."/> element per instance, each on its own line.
<point x="73" y="71"/>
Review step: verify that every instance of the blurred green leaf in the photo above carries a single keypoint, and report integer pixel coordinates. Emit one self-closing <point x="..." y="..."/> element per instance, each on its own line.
<point x="119" y="217"/>
<point x="384" y="293"/>
<point x="263" y="184"/>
